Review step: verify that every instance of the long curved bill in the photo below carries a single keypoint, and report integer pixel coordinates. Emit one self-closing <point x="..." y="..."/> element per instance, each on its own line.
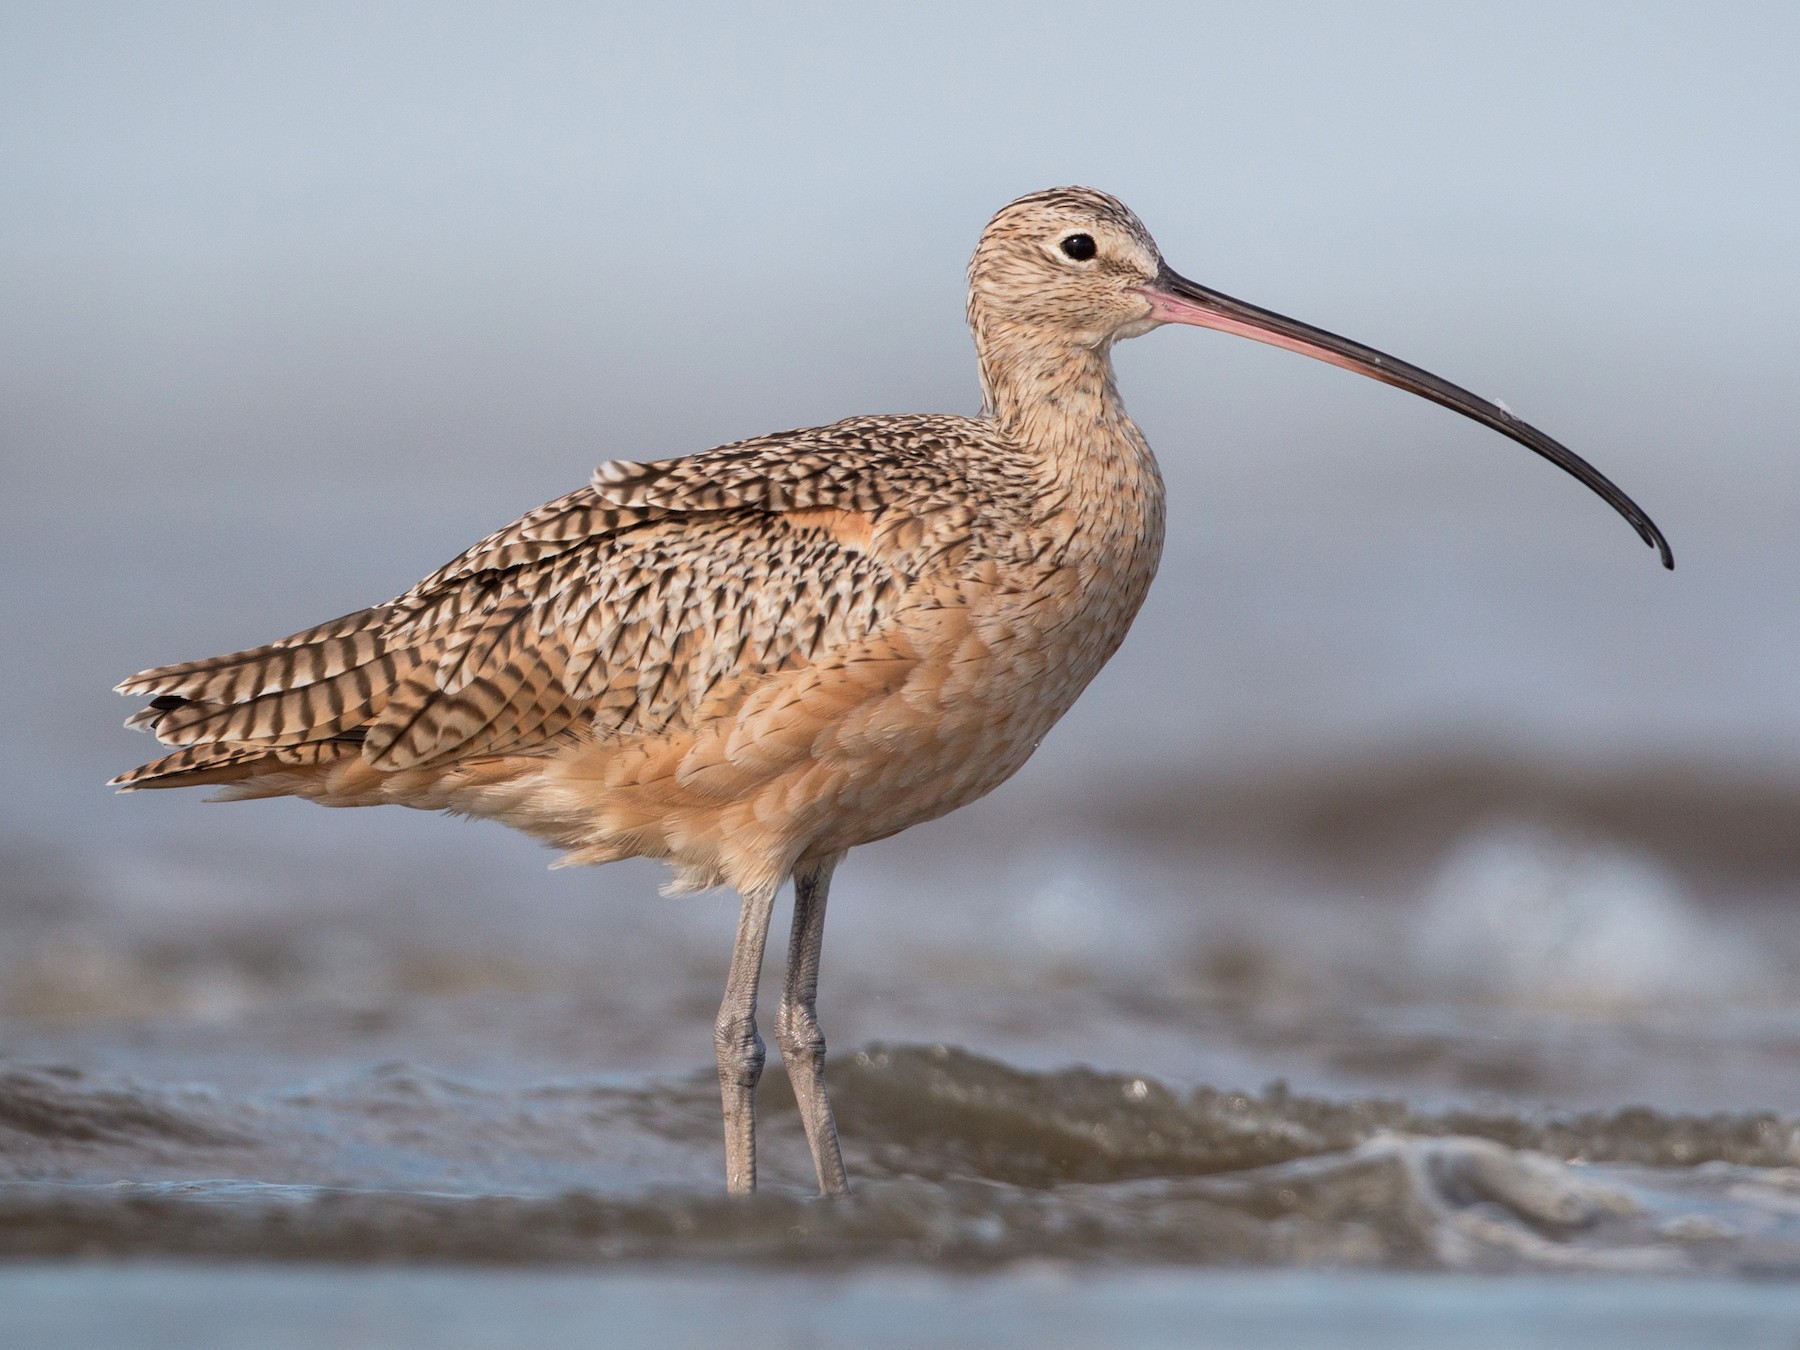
<point x="1175" y="299"/>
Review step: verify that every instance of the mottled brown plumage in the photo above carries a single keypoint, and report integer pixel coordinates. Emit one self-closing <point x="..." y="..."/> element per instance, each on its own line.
<point x="680" y="643"/>
<point x="748" y="661"/>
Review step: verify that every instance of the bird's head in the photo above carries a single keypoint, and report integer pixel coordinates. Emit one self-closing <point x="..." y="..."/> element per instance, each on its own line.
<point x="1068" y="266"/>
<point x="1072" y="270"/>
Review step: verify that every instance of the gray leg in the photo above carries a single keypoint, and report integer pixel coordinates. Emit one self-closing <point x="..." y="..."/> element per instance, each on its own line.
<point x="797" y="1027"/>
<point x="740" y="1048"/>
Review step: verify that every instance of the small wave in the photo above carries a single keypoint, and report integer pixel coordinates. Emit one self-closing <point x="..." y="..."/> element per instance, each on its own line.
<point x="960" y="1160"/>
<point x="940" y="1111"/>
<point x="1399" y="1201"/>
<point x="57" y="1104"/>
<point x="1523" y="914"/>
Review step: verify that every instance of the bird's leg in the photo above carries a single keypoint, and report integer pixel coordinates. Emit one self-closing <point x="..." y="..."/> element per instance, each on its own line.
<point x="797" y="1026"/>
<point x="740" y="1048"/>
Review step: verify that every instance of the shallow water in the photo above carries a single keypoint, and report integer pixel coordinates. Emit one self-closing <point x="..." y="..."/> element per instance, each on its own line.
<point x="961" y="1162"/>
<point x="156" y="1306"/>
<point x="1478" y="1045"/>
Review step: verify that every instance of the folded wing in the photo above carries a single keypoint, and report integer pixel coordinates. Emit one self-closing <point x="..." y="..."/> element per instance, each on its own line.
<point x="618" y="609"/>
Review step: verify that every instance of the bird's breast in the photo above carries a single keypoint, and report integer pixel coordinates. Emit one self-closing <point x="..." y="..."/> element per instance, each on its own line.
<point x="1045" y="606"/>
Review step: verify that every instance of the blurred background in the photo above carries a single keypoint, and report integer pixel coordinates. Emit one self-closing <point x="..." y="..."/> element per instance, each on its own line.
<point x="1413" y="737"/>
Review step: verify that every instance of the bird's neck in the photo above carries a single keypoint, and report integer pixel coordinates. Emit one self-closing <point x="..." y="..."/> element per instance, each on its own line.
<point x="1101" y="484"/>
<point x="1061" y="405"/>
<point x="1038" y="393"/>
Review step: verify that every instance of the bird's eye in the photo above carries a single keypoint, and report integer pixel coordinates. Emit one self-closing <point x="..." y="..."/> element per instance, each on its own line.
<point x="1080" y="247"/>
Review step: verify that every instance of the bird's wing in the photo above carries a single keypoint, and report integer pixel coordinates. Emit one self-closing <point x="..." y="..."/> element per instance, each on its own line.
<point x="620" y="606"/>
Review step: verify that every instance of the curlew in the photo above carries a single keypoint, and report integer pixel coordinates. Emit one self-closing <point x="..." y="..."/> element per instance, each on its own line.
<point x="748" y="661"/>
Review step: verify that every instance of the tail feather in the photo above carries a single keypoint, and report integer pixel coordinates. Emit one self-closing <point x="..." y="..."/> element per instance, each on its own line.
<point x="199" y="765"/>
<point x="314" y="710"/>
<point x="191" y="766"/>
<point x="303" y="701"/>
<point x="307" y="657"/>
